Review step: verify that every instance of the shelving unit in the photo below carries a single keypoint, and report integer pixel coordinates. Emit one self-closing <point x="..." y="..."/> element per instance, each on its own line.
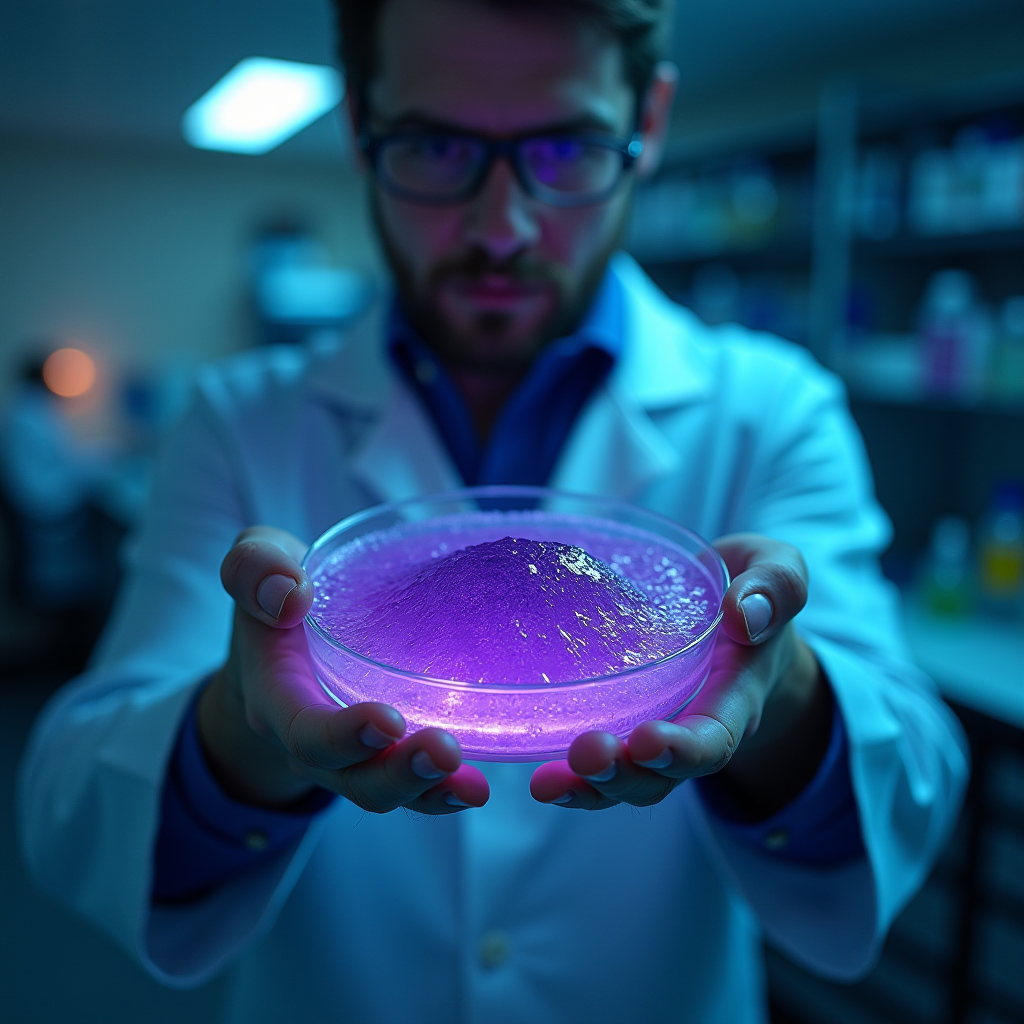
<point x="743" y="222"/>
<point x="807" y="271"/>
<point x="813" y="274"/>
<point x="904" y="245"/>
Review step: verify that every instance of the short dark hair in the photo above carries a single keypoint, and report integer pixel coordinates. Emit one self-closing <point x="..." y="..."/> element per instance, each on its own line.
<point x="640" y="25"/>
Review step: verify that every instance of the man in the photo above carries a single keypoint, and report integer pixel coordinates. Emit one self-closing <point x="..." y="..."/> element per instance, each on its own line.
<point x="182" y="794"/>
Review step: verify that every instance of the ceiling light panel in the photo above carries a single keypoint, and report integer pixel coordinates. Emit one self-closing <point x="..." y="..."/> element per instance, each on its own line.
<point x="259" y="103"/>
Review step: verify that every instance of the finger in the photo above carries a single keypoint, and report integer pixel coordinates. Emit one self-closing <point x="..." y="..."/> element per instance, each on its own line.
<point x="556" y="783"/>
<point x="769" y="586"/>
<point x="464" y="789"/>
<point x="400" y="774"/>
<point x="697" y="745"/>
<point x="603" y="761"/>
<point x="332" y="738"/>
<point x="283" y="701"/>
<point x="263" y="573"/>
<point x="704" y="736"/>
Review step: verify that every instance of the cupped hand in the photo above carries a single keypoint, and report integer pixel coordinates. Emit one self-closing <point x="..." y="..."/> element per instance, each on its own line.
<point x="271" y="733"/>
<point x="757" y="656"/>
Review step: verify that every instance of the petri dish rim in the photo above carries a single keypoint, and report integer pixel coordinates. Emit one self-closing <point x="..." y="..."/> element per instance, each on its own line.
<point x="511" y="491"/>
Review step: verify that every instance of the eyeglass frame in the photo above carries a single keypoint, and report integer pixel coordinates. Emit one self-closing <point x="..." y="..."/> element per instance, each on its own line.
<point x="508" y="149"/>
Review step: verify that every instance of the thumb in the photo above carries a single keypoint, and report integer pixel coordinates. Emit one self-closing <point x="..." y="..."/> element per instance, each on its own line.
<point x="263" y="573"/>
<point x="769" y="586"/>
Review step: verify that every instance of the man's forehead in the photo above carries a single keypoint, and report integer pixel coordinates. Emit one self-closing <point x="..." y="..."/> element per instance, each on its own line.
<point x="496" y="68"/>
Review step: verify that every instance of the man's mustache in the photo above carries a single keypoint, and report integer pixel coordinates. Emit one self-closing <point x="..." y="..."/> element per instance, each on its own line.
<point x="477" y="264"/>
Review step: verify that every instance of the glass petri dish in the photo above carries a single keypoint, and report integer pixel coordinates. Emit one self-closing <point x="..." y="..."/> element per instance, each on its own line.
<point x="509" y="718"/>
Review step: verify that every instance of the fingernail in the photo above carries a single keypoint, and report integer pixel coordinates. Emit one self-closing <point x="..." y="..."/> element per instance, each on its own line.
<point x="757" y="613"/>
<point x="424" y="767"/>
<point x="663" y="760"/>
<point x="371" y="736"/>
<point x="454" y="800"/>
<point x="563" y="799"/>
<point x="606" y="776"/>
<point x="272" y="593"/>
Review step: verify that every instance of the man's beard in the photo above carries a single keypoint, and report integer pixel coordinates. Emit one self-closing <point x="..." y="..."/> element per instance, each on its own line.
<point x="482" y="350"/>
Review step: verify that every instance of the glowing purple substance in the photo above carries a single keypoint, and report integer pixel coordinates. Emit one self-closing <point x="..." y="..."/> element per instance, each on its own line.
<point x="514" y="630"/>
<point x="527" y="611"/>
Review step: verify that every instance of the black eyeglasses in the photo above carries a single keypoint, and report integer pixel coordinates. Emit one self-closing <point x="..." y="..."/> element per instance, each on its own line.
<point x="439" y="167"/>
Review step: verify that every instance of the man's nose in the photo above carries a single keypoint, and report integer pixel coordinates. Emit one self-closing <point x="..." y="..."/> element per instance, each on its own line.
<point x="500" y="219"/>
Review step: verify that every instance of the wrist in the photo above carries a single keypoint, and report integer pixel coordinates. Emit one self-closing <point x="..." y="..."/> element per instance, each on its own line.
<point x="798" y="690"/>
<point x="775" y="764"/>
<point x="250" y="768"/>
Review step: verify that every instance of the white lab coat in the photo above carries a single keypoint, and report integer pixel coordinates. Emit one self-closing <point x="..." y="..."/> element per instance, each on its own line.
<point x="621" y="915"/>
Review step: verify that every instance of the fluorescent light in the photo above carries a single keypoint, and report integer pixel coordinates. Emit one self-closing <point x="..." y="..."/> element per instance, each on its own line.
<point x="259" y="103"/>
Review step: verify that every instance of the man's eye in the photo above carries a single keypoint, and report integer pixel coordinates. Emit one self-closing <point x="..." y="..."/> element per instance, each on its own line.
<point x="439" y="148"/>
<point x="561" y="150"/>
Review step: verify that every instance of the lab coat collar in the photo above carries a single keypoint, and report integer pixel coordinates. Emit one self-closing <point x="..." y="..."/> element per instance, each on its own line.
<point x="661" y="366"/>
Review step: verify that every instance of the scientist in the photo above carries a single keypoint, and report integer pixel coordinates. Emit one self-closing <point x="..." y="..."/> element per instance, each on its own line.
<point x="198" y="797"/>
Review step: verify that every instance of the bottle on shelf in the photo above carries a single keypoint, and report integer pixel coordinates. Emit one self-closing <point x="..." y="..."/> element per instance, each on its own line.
<point x="1001" y="553"/>
<point x="975" y="185"/>
<point x="876" y="193"/>
<point x="945" y="585"/>
<point x="1007" y="383"/>
<point x="956" y="338"/>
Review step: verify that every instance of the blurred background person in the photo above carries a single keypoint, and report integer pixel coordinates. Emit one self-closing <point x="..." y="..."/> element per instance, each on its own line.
<point x="64" y="504"/>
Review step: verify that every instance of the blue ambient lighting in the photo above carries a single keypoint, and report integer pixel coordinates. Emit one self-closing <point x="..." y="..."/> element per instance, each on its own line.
<point x="259" y="103"/>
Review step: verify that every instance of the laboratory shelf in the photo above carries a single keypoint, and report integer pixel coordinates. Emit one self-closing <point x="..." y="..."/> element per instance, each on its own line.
<point x="986" y="406"/>
<point x="977" y="662"/>
<point x="968" y="243"/>
<point x="775" y="256"/>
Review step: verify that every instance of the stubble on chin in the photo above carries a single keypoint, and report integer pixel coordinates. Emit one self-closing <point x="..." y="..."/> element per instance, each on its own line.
<point x="488" y="343"/>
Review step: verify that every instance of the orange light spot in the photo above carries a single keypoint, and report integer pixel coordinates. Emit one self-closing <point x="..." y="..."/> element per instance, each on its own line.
<point x="69" y="372"/>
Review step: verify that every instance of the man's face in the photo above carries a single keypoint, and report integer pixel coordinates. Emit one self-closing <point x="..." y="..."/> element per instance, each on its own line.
<point x="490" y="280"/>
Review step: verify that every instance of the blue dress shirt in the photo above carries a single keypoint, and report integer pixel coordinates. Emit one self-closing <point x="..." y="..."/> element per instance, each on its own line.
<point x="529" y="433"/>
<point x="206" y="837"/>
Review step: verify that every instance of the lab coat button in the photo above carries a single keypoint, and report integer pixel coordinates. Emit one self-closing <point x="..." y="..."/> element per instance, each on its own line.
<point x="494" y="949"/>
<point x="256" y="840"/>
<point x="776" y="840"/>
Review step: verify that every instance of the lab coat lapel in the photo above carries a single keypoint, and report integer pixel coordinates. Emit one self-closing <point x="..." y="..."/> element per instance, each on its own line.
<point x="616" y="447"/>
<point x="403" y="456"/>
<point x="614" y="450"/>
<point x="399" y="454"/>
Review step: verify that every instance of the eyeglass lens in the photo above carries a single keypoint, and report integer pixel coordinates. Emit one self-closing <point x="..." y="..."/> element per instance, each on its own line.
<point x="439" y="166"/>
<point x="571" y="166"/>
<point x="434" y="165"/>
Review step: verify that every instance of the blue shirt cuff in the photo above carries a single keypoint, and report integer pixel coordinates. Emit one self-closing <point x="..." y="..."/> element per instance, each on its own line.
<point x="205" y="836"/>
<point x="821" y="826"/>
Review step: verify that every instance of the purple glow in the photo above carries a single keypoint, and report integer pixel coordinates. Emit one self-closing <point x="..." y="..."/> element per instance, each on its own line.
<point x="516" y="631"/>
